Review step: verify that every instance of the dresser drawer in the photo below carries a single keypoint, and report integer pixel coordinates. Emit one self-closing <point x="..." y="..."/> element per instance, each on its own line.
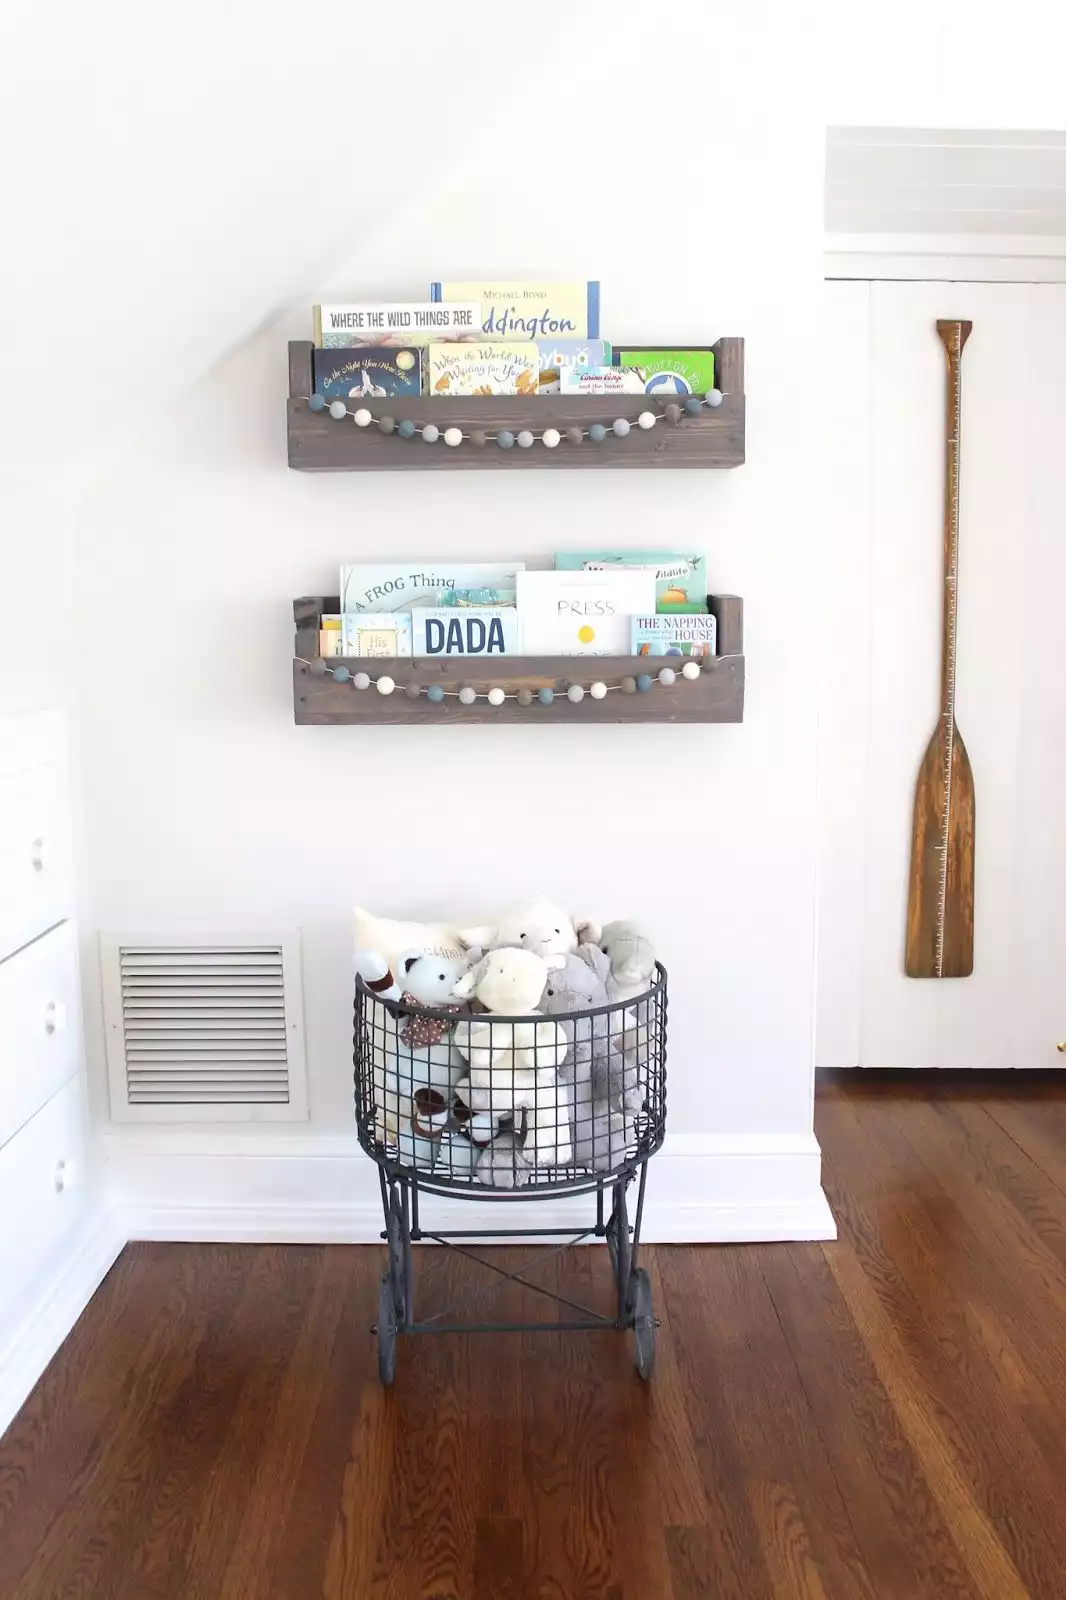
<point x="41" y="1181"/>
<point x="39" y="1025"/>
<point x="35" y="866"/>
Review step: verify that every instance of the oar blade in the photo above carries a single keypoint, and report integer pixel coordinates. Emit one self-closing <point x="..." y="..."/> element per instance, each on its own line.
<point x="940" y="908"/>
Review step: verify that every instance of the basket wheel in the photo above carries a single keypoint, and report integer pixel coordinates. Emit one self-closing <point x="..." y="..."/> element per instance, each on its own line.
<point x="619" y="1244"/>
<point x="643" y="1323"/>
<point x="394" y="1240"/>
<point x="386" y="1331"/>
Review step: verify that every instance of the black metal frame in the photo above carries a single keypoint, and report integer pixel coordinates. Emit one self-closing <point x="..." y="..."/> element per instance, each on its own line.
<point x="403" y="1185"/>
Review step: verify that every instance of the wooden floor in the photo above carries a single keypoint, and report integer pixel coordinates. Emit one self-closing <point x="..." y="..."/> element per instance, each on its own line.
<point x="872" y="1420"/>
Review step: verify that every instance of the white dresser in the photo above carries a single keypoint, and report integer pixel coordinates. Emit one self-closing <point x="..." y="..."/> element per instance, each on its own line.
<point x="42" y="1133"/>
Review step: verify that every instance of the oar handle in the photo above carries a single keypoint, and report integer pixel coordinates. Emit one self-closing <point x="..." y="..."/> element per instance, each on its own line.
<point x="954" y="335"/>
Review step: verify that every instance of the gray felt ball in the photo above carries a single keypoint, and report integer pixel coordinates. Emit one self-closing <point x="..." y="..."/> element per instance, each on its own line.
<point x="524" y="439"/>
<point x="430" y="433"/>
<point x="525" y="697"/>
<point x="629" y="685"/>
<point x="620" y="427"/>
<point x="673" y="414"/>
<point x="573" y="435"/>
<point x="386" y="424"/>
<point x="478" y="437"/>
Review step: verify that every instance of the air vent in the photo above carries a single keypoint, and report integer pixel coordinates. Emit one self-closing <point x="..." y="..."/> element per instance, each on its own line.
<point x="204" y="1031"/>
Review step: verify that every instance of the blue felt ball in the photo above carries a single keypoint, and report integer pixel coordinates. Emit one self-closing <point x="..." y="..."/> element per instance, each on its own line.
<point x="643" y="683"/>
<point x="713" y="397"/>
<point x="317" y="402"/>
<point x="505" y="439"/>
<point x="406" y="428"/>
<point x="693" y="405"/>
<point x="597" y="433"/>
<point x="545" y="696"/>
<point x="435" y="693"/>
<point x="341" y="674"/>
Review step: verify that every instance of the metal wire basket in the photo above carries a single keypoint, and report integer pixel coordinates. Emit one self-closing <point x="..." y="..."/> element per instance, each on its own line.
<point x="523" y="1105"/>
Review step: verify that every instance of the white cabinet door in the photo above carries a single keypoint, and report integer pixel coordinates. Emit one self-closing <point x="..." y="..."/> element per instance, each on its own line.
<point x="1011" y="686"/>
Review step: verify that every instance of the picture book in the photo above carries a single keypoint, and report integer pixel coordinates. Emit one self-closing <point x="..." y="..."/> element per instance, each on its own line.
<point x="330" y="635"/>
<point x="372" y="372"/>
<point x="377" y="633"/>
<point x="582" y="613"/>
<point x="485" y="596"/>
<point x="600" y="380"/>
<point x="529" y="310"/>
<point x="669" y="371"/>
<point x="445" y="631"/>
<point x="398" y="586"/>
<point x="496" y="368"/>
<point x="340" y="327"/>
<point x="555" y="354"/>
<point x="680" y="580"/>
<point x="673" y="636"/>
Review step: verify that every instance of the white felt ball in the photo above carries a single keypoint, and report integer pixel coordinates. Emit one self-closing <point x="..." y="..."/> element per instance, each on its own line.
<point x="363" y="419"/>
<point x="337" y="408"/>
<point x="646" y="419"/>
<point x="496" y="697"/>
<point x="385" y="685"/>
<point x="667" y="676"/>
<point x="362" y="680"/>
<point x="575" y="693"/>
<point x="467" y="695"/>
<point x="524" y="439"/>
<point x="691" y="671"/>
<point x="598" y="691"/>
<point x="430" y="432"/>
<point x="551" y="438"/>
<point x="453" y="436"/>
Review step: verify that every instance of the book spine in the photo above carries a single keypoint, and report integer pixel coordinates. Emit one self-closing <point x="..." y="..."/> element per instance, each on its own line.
<point x="435" y="292"/>
<point x="318" y="326"/>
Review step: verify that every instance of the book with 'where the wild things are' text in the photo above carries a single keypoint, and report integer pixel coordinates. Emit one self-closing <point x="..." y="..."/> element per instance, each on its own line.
<point x="340" y="327"/>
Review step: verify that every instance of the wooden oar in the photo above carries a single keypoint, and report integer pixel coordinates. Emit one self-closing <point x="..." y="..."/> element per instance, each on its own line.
<point x="940" y="904"/>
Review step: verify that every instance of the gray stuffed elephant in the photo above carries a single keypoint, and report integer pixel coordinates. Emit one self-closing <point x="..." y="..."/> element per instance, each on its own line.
<point x="595" y="1070"/>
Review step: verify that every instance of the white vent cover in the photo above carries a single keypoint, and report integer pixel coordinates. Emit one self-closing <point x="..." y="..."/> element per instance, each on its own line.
<point x="204" y="1029"/>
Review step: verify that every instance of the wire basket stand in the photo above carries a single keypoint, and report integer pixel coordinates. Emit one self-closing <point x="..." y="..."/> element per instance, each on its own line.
<point x="520" y="1109"/>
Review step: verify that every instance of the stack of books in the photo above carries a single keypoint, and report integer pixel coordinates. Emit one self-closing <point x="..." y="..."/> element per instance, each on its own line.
<point x="593" y="603"/>
<point x="486" y="338"/>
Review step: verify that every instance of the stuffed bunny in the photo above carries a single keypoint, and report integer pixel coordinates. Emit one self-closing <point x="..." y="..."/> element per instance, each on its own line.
<point x="632" y="958"/>
<point x="535" y="924"/>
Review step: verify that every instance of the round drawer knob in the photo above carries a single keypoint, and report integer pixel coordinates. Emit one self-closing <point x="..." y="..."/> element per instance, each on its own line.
<point x="1061" y="1046"/>
<point x="39" y="855"/>
<point x="55" y="1017"/>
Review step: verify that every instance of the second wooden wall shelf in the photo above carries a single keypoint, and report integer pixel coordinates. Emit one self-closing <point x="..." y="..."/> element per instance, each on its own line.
<point x="716" y="696"/>
<point x="320" y="443"/>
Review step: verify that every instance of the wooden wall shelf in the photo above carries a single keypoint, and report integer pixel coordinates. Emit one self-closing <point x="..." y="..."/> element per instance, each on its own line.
<point x="717" y="696"/>
<point x="319" y="443"/>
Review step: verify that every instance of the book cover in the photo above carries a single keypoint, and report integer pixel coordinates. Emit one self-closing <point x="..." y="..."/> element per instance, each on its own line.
<point x="600" y="380"/>
<point x="372" y="372"/>
<point x="473" y="631"/>
<point x="330" y="634"/>
<point x="554" y="354"/>
<point x="497" y="368"/>
<point x="582" y="613"/>
<point x="340" y="327"/>
<point x="669" y="371"/>
<point x="377" y="633"/>
<point x="673" y="636"/>
<point x="398" y="586"/>
<point x="529" y="310"/>
<point x="680" y="579"/>
<point x="482" y="597"/>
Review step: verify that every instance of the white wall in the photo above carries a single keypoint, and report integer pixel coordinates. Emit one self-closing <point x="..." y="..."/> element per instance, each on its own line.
<point x="203" y="800"/>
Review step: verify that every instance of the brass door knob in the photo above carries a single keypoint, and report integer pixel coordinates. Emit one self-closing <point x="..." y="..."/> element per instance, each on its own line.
<point x="1061" y="1046"/>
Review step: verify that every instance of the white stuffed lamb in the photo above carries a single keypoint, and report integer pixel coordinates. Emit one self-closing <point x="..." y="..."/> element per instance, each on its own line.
<point x="513" y="1063"/>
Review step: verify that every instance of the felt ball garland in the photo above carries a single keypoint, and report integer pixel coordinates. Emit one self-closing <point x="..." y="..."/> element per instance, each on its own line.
<point x="496" y="696"/>
<point x="525" y="438"/>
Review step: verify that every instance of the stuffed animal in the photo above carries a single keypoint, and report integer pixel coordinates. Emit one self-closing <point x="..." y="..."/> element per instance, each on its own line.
<point x="503" y="1164"/>
<point x="535" y="924"/>
<point x="430" y="981"/>
<point x="376" y="974"/>
<point x="513" y="1063"/>
<point x="632" y="959"/>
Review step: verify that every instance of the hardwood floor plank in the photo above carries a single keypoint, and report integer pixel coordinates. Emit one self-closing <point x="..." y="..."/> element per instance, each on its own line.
<point x="1040" y="1130"/>
<point x="904" y="1540"/>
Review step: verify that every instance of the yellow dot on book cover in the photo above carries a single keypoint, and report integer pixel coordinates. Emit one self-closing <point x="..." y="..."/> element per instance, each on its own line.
<point x="586" y="634"/>
<point x="405" y="361"/>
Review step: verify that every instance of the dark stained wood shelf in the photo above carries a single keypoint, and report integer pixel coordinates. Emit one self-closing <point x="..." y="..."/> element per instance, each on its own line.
<point x="320" y="443"/>
<point x="717" y="695"/>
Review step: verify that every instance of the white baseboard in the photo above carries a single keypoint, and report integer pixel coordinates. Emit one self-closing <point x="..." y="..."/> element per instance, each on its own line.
<point x="43" y="1319"/>
<point x="308" y="1189"/>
